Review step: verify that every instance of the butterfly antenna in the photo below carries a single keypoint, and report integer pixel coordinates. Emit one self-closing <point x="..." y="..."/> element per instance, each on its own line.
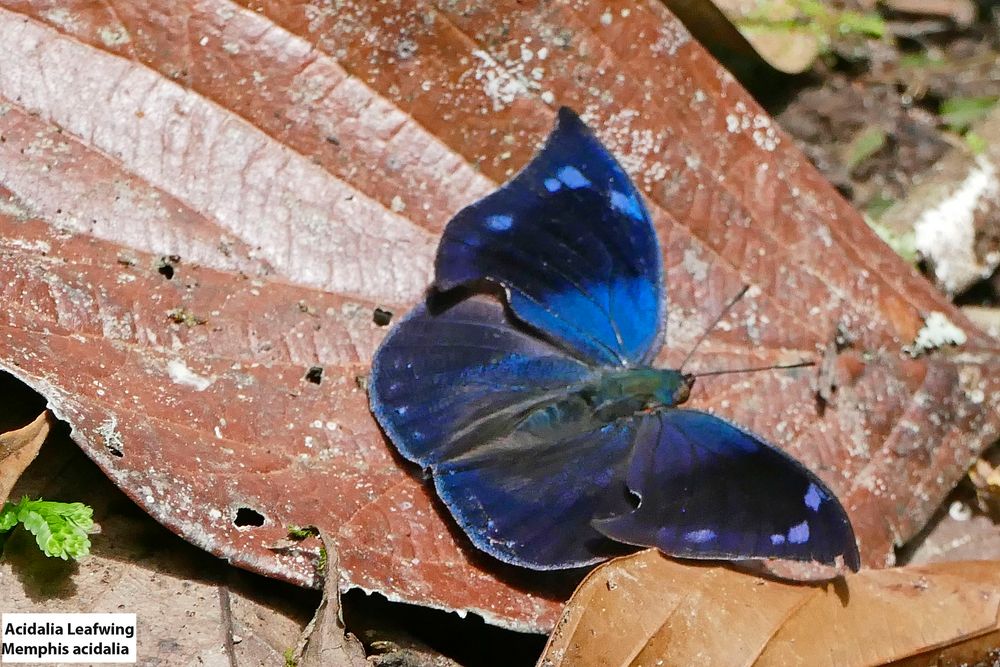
<point x="718" y="318"/>
<point x="800" y="364"/>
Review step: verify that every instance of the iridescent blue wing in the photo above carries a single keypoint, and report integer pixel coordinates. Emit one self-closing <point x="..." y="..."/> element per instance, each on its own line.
<point x="443" y="384"/>
<point x="518" y="459"/>
<point x="532" y="501"/>
<point x="571" y="242"/>
<point x="707" y="489"/>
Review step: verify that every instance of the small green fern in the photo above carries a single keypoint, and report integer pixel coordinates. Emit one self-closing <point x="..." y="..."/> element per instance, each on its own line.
<point x="60" y="529"/>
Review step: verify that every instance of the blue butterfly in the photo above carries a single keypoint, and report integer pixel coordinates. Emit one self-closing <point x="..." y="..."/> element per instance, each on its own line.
<point x="549" y="437"/>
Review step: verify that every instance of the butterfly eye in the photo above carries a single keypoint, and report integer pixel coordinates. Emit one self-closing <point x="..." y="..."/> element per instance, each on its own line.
<point x="683" y="392"/>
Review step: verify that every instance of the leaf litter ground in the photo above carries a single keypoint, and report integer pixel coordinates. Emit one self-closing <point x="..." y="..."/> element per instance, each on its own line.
<point x="221" y="242"/>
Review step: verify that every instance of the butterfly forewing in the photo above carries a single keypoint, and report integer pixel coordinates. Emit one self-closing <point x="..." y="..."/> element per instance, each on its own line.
<point x="570" y="240"/>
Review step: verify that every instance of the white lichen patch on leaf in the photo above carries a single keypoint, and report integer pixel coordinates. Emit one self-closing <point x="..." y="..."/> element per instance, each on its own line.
<point x="114" y="35"/>
<point x="36" y="246"/>
<point x="108" y="430"/>
<point x="946" y="233"/>
<point x="696" y="267"/>
<point x="684" y="326"/>
<point x="758" y="124"/>
<point x="634" y="147"/>
<point x="503" y="83"/>
<point x="63" y="18"/>
<point x="973" y="384"/>
<point x="181" y="374"/>
<point x="672" y="36"/>
<point x="937" y="331"/>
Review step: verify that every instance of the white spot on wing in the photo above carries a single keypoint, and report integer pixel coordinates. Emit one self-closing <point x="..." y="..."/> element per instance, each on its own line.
<point x="799" y="533"/>
<point x="499" y="223"/>
<point x="572" y="177"/>
<point x="700" y="536"/>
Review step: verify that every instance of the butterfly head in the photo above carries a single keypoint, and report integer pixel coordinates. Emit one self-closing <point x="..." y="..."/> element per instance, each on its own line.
<point x="673" y="387"/>
<point x="684" y="390"/>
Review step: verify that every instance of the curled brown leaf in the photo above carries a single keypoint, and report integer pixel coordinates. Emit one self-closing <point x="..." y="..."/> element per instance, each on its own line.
<point x="18" y="449"/>
<point x="325" y="640"/>
<point x="647" y="609"/>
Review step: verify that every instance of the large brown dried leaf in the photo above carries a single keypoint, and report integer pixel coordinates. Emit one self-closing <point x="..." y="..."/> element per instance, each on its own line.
<point x="646" y="609"/>
<point x="301" y="160"/>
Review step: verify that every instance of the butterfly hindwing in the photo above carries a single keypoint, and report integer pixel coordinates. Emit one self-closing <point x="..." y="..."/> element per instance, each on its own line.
<point x="708" y="489"/>
<point x="571" y="242"/>
<point x="521" y="462"/>
<point x="531" y="502"/>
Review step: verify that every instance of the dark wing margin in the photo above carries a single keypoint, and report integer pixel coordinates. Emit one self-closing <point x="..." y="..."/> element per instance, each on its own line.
<point x="708" y="489"/>
<point x="570" y="240"/>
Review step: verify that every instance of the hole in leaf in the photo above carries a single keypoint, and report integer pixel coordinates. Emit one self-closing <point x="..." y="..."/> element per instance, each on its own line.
<point x="166" y="266"/>
<point x="382" y="317"/>
<point x="985" y="292"/>
<point x="248" y="517"/>
<point x="315" y="374"/>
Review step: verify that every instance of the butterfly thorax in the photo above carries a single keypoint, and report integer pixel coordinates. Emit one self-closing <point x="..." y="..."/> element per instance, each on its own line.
<point x="622" y="393"/>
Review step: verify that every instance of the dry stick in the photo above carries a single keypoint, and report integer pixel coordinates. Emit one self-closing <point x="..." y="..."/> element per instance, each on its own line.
<point x="227" y="623"/>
